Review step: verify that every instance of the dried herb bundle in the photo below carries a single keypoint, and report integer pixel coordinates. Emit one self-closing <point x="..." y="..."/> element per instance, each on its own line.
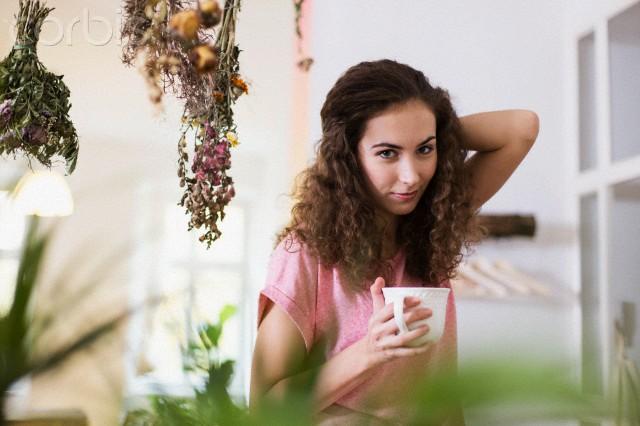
<point x="208" y="188"/>
<point x="34" y="103"/>
<point x="154" y="33"/>
<point x="305" y="62"/>
<point x="181" y="53"/>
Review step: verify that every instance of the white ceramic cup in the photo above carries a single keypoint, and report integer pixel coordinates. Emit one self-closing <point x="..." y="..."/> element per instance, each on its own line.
<point x="432" y="298"/>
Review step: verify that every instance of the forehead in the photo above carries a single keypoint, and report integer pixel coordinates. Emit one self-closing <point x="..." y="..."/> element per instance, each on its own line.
<point x="410" y="122"/>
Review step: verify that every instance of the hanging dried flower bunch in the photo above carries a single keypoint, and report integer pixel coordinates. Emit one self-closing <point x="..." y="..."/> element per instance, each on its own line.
<point x="183" y="53"/>
<point x="305" y="62"/>
<point x="34" y="103"/>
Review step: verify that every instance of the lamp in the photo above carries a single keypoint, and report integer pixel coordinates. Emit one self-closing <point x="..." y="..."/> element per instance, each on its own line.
<point x="43" y="193"/>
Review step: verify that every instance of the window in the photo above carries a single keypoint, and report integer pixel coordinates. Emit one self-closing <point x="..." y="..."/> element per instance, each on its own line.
<point x="190" y="285"/>
<point x="12" y="230"/>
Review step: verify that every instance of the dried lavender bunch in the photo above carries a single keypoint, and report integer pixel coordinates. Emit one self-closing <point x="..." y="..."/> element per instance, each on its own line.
<point x="34" y="103"/>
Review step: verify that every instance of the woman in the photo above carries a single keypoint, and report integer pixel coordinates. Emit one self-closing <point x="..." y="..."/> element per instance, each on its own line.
<point x="390" y="200"/>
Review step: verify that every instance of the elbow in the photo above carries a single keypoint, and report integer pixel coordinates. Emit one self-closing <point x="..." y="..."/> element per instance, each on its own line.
<point x="530" y="126"/>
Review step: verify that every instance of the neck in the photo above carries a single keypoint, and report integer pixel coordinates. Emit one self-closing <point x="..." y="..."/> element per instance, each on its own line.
<point x="389" y="224"/>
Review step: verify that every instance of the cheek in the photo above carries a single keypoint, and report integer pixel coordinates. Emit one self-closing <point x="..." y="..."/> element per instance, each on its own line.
<point x="431" y="169"/>
<point x="380" y="177"/>
<point x="376" y="177"/>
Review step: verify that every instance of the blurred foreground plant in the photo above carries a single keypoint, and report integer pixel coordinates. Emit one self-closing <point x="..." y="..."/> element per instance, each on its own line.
<point x="491" y="392"/>
<point x="496" y="392"/>
<point x="211" y="404"/>
<point x="505" y="392"/>
<point x="21" y="329"/>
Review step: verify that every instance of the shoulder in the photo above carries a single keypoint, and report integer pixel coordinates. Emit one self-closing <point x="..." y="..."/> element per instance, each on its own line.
<point x="292" y="257"/>
<point x="291" y="284"/>
<point x="290" y="246"/>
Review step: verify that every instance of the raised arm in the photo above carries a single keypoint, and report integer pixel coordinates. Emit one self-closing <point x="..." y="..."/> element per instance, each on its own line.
<point x="502" y="140"/>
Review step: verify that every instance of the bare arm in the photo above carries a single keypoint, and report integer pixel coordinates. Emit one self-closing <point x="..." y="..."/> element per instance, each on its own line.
<point x="279" y="354"/>
<point x="502" y="139"/>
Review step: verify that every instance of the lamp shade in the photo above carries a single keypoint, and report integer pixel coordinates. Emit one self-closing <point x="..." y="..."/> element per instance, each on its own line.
<point x="43" y="193"/>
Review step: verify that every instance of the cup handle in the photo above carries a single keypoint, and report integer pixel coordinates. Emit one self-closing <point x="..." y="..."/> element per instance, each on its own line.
<point x="398" y="315"/>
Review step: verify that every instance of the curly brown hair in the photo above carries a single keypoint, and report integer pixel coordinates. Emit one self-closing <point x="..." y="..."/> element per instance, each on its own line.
<point x="334" y="214"/>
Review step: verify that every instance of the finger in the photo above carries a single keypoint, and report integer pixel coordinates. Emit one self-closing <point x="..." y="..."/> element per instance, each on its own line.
<point x="376" y="294"/>
<point x="404" y="339"/>
<point x="408" y="352"/>
<point x="386" y="313"/>
<point x="416" y="314"/>
<point x="411" y="316"/>
<point x="397" y="341"/>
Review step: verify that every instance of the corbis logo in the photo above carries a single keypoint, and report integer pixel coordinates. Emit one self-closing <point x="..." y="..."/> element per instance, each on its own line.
<point x="96" y="30"/>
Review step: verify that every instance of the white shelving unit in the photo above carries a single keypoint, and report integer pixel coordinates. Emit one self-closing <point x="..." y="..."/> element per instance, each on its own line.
<point x="607" y="185"/>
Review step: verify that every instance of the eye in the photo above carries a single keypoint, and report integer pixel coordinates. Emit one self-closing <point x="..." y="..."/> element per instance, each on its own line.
<point x="387" y="153"/>
<point x="425" y="149"/>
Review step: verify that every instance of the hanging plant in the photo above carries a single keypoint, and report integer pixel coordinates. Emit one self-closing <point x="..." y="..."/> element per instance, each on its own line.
<point x="180" y="51"/>
<point x="34" y="103"/>
<point x="305" y="62"/>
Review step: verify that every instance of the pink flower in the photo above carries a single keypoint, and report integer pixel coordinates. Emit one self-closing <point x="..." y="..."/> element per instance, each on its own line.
<point x="34" y="134"/>
<point x="9" y="139"/>
<point x="210" y="164"/>
<point x="221" y="149"/>
<point x="6" y="111"/>
<point x="209" y="131"/>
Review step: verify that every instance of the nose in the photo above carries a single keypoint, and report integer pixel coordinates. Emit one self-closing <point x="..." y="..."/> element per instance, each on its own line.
<point x="409" y="174"/>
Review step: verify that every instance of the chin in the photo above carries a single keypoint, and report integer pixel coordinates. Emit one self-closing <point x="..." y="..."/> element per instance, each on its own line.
<point x="403" y="210"/>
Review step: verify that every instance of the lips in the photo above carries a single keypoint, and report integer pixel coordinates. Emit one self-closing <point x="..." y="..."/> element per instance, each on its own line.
<point x="404" y="196"/>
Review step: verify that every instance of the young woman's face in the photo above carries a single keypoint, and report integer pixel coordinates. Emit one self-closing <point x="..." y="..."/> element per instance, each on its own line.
<point x="397" y="154"/>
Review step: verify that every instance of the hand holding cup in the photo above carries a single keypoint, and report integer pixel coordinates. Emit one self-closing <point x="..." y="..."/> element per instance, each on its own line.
<point x="384" y="340"/>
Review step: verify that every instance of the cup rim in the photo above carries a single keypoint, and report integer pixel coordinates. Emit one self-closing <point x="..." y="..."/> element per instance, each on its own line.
<point x="435" y="289"/>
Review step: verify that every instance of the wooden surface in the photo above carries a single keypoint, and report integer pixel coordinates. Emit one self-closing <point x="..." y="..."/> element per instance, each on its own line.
<point x="48" y="418"/>
<point x="500" y="226"/>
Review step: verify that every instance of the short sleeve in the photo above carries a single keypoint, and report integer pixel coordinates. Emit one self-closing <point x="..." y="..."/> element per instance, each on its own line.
<point x="292" y="280"/>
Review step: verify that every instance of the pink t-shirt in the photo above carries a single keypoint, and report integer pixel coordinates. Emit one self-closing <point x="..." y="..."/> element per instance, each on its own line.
<point x="325" y="310"/>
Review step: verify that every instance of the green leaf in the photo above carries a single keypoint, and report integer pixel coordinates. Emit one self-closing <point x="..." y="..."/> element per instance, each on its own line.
<point x="213" y="332"/>
<point x="227" y="312"/>
<point x="204" y="338"/>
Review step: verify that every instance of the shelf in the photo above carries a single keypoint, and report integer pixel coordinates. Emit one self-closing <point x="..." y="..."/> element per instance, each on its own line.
<point x="482" y="280"/>
<point x="607" y="186"/>
<point x="587" y="102"/>
<point x="624" y="267"/>
<point x="624" y="69"/>
<point x="562" y="299"/>
<point x="590" y="294"/>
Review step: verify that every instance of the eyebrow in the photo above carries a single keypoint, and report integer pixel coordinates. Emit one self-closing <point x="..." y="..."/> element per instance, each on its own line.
<point x="390" y="145"/>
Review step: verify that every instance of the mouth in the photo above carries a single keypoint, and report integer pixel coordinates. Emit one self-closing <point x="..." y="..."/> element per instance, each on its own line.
<point x="404" y="196"/>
